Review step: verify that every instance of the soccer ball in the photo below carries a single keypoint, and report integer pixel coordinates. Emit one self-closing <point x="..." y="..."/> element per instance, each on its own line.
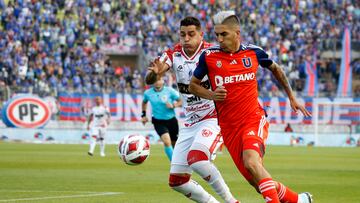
<point x="134" y="149"/>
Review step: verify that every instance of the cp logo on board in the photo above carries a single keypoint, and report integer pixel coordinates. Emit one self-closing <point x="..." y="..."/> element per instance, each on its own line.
<point x="26" y="112"/>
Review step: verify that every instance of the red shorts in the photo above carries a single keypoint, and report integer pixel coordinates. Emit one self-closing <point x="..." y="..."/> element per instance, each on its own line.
<point x="252" y="134"/>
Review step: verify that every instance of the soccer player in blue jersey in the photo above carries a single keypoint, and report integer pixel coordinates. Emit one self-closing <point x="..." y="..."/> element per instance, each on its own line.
<point x="163" y="101"/>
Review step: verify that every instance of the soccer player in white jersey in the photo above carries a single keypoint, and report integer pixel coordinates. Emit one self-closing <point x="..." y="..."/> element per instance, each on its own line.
<point x="199" y="138"/>
<point x="98" y="122"/>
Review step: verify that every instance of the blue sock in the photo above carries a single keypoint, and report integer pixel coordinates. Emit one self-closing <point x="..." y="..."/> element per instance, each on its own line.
<point x="168" y="152"/>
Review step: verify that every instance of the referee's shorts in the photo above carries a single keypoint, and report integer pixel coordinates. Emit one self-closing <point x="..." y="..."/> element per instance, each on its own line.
<point x="170" y="126"/>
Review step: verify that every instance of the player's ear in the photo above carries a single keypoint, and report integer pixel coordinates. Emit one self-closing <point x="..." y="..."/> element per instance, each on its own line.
<point x="202" y="34"/>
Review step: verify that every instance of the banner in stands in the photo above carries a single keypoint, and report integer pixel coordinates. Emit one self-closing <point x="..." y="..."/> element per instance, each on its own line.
<point x="26" y="111"/>
<point x="127" y="107"/>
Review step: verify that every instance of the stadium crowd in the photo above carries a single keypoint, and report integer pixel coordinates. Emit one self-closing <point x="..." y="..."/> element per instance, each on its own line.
<point x="49" y="46"/>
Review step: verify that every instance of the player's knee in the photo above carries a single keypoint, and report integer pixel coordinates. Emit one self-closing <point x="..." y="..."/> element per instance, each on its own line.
<point x="177" y="180"/>
<point x="196" y="156"/>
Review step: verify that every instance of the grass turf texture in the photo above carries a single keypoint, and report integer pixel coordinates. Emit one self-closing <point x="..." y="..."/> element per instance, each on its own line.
<point x="65" y="173"/>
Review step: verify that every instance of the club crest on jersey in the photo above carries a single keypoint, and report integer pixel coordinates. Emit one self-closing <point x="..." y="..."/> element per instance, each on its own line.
<point x="218" y="64"/>
<point x="247" y="62"/>
<point x="164" y="98"/>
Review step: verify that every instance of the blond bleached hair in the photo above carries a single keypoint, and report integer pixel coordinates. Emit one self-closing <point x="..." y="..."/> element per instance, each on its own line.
<point x="224" y="17"/>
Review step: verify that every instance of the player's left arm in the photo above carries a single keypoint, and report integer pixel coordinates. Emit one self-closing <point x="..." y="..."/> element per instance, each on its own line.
<point x="195" y="88"/>
<point x="176" y="97"/>
<point x="279" y="74"/>
<point x="108" y="116"/>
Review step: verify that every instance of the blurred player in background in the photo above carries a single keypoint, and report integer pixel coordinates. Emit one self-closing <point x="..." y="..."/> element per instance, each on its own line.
<point x="231" y="69"/>
<point x="199" y="139"/>
<point x="98" y="122"/>
<point x="163" y="101"/>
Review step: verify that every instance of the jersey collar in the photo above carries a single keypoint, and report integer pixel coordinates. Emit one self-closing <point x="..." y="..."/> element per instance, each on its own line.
<point x="195" y="53"/>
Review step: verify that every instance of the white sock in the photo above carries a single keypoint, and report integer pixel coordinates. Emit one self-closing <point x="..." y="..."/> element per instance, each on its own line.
<point x="102" y="146"/>
<point x="209" y="172"/>
<point x="92" y="145"/>
<point x="195" y="192"/>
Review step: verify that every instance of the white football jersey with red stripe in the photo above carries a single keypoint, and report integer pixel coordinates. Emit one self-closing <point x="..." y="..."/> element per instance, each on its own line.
<point x="195" y="108"/>
<point x="100" y="115"/>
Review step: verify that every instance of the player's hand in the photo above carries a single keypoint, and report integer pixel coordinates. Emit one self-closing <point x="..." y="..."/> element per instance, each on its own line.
<point x="158" y="66"/>
<point x="88" y="128"/>
<point x="169" y="105"/>
<point x="219" y="94"/>
<point x="296" y="107"/>
<point x="144" y="120"/>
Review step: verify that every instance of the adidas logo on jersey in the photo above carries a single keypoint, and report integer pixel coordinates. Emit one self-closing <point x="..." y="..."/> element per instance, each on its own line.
<point x="251" y="133"/>
<point x="233" y="62"/>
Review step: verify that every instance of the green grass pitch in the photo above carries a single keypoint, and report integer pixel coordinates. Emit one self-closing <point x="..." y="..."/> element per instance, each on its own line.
<point x="65" y="173"/>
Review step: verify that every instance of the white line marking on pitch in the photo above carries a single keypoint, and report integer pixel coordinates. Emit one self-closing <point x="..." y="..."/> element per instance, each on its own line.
<point x="62" y="197"/>
<point x="53" y="191"/>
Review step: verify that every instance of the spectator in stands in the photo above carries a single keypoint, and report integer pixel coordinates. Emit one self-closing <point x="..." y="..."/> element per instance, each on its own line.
<point x="69" y="35"/>
<point x="288" y="128"/>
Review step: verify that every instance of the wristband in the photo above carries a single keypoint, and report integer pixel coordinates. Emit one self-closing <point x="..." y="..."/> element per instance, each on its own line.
<point x="143" y="114"/>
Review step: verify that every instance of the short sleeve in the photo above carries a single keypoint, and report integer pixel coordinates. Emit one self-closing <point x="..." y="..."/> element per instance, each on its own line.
<point x="145" y="98"/>
<point x="201" y="69"/>
<point x="174" y="94"/>
<point x="263" y="57"/>
<point x="167" y="54"/>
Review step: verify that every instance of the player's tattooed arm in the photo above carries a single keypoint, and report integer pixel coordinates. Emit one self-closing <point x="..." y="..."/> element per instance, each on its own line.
<point x="279" y="74"/>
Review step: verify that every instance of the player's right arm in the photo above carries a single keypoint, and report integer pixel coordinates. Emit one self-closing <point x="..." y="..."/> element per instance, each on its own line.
<point x="144" y="118"/>
<point x="90" y="118"/>
<point x="195" y="88"/>
<point x="156" y="70"/>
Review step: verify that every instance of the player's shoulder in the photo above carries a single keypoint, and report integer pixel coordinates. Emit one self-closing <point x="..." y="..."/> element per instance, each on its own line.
<point x="260" y="53"/>
<point x="176" y="48"/>
<point x="148" y="91"/>
<point x="211" y="50"/>
<point x="249" y="46"/>
<point x="170" y="89"/>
